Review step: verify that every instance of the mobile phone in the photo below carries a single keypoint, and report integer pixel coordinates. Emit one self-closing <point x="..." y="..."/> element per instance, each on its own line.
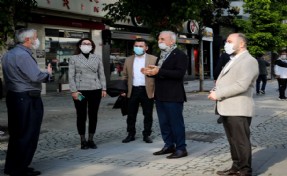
<point x="80" y="97"/>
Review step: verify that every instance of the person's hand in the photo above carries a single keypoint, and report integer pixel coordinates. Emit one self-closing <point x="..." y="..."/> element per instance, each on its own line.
<point x="153" y="70"/>
<point x="123" y="94"/>
<point x="212" y="96"/>
<point x="49" y="68"/>
<point x="75" y="95"/>
<point x="104" y="93"/>
<point x="145" y="70"/>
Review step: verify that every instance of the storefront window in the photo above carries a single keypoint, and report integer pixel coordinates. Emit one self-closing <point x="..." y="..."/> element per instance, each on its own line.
<point x="60" y="45"/>
<point x="120" y="50"/>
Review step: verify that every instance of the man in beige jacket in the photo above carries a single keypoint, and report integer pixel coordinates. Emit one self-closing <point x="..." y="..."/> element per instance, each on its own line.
<point x="140" y="90"/>
<point x="233" y="95"/>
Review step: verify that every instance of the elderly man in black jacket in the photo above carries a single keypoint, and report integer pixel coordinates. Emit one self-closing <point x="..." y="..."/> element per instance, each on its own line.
<point x="170" y="94"/>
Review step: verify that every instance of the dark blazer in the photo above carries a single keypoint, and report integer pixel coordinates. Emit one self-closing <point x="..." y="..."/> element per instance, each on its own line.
<point x="262" y="66"/>
<point x="169" y="80"/>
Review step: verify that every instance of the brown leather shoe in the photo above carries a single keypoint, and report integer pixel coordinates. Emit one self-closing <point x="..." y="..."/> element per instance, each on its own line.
<point x="165" y="150"/>
<point x="177" y="154"/>
<point x="228" y="172"/>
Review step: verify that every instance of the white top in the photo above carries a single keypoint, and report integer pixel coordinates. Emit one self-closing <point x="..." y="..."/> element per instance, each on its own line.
<point x="138" y="77"/>
<point x="281" y="71"/>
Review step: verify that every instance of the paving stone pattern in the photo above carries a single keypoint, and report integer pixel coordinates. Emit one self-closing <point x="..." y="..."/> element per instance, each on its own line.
<point x="58" y="150"/>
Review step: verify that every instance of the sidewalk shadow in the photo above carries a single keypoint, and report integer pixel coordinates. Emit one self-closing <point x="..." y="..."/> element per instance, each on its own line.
<point x="267" y="158"/>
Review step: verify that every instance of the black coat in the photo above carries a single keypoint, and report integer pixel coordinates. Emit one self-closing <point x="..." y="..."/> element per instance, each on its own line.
<point x="169" y="80"/>
<point x="122" y="103"/>
<point x="116" y="87"/>
<point x="224" y="58"/>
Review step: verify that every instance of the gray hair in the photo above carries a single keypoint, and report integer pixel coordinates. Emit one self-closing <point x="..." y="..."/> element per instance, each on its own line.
<point x="171" y="34"/>
<point x="23" y="33"/>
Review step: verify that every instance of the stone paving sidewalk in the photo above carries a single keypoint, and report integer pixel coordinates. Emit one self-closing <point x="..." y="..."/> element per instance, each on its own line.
<point x="58" y="152"/>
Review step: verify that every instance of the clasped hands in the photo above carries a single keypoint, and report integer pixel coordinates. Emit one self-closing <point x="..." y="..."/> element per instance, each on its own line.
<point x="212" y="95"/>
<point x="150" y="70"/>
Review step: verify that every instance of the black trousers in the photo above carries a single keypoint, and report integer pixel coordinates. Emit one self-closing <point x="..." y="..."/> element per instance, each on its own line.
<point x="139" y="96"/>
<point x="25" y="115"/>
<point x="90" y="103"/>
<point x="1" y="89"/>
<point x="263" y="79"/>
<point x="282" y="87"/>
<point x="237" y="129"/>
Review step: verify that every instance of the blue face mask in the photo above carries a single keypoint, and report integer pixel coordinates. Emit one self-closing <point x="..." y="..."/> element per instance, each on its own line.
<point x="139" y="51"/>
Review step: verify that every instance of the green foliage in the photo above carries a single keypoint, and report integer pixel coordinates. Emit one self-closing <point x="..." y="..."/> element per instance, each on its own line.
<point x="264" y="28"/>
<point x="11" y="13"/>
<point x="167" y="14"/>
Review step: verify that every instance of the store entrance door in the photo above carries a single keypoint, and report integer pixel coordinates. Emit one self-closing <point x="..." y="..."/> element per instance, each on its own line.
<point x="60" y="45"/>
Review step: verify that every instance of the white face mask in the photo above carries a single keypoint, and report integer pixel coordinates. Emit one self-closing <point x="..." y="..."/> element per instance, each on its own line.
<point x="163" y="46"/>
<point x="86" y="48"/>
<point x="228" y="47"/>
<point x="36" y="44"/>
<point x="283" y="56"/>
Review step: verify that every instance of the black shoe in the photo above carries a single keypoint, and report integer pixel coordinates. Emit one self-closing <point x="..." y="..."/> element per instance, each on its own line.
<point x="84" y="145"/>
<point x="219" y="120"/>
<point x="244" y="174"/>
<point x="33" y="173"/>
<point x="129" y="138"/>
<point x="228" y="172"/>
<point x="28" y="172"/>
<point x="30" y="169"/>
<point x="165" y="150"/>
<point x="147" y="139"/>
<point x="92" y="145"/>
<point x="177" y="154"/>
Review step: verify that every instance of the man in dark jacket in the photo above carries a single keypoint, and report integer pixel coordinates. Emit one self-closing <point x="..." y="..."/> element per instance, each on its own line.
<point x="263" y="64"/>
<point x="223" y="60"/>
<point x="170" y="94"/>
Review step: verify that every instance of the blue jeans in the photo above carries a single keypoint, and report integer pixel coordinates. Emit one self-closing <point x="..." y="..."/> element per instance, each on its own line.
<point x="171" y="124"/>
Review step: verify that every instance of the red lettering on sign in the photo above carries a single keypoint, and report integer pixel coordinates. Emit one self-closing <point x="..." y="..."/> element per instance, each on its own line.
<point x="96" y="1"/>
<point x="66" y="3"/>
<point x="96" y="9"/>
